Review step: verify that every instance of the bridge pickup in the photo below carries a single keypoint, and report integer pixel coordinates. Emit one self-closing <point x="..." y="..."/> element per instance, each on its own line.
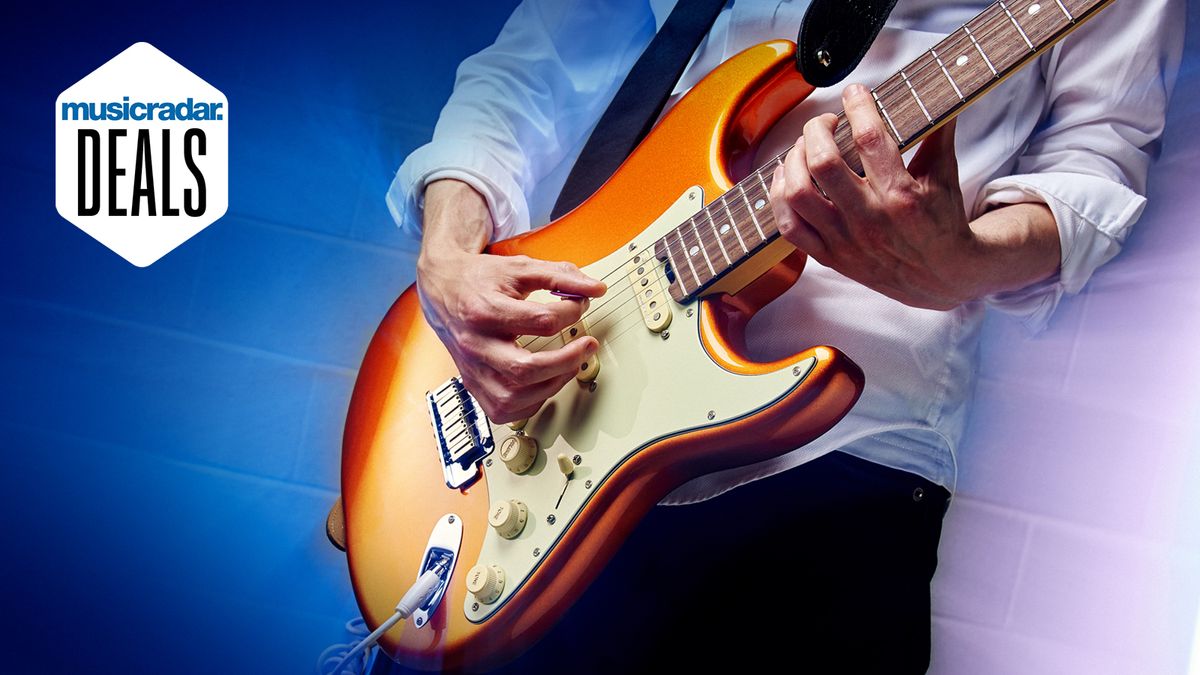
<point x="462" y="432"/>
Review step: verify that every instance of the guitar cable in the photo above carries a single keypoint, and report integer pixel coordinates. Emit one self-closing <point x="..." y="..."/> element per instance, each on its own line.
<point x="417" y="595"/>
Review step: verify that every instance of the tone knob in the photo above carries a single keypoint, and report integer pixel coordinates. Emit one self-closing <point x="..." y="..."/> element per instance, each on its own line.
<point x="486" y="583"/>
<point x="518" y="452"/>
<point x="508" y="517"/>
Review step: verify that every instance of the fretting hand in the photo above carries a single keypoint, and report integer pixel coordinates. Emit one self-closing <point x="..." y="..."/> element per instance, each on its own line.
<point x="902" y="232"/>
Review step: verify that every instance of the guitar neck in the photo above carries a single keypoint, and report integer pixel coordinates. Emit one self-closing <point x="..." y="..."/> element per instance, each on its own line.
<point x="928" y="92"/>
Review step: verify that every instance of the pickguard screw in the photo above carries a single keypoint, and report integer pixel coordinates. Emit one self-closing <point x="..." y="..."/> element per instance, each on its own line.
<point x="537" y="552"/>
<point x="488" y="463"/>
<point x="451" y="518"/>
<point x="591" y="386"/>
<point x="550" y="519"/>
<point x="691" y="311"/>
<point x="632" y="247"/>
<point x="587" y="485"/>
<point x="666" y="335"/>
<point x="419" y="622"/>
<point x="691" y="195"/>
<point x="918" y="494"/>
<point x="796" y="371"/>
<point x="824" y="57"/>
<point x="474" y="606"/>
<point x="712" y="414"/>
<point x="577" y="459"/>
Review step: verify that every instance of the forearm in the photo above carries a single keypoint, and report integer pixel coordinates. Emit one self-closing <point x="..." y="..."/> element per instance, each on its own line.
<point x="456" y="220"/>
<point x="1015" y="246"/>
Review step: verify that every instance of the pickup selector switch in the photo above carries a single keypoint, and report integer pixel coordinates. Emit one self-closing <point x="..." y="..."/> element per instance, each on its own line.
<point x="518" y="452"/>
<point x="508" y="517"/>
<point x="486" y="583"/>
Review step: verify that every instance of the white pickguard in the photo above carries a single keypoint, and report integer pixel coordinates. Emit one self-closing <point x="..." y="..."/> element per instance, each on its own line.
<point x="648" y="388"/>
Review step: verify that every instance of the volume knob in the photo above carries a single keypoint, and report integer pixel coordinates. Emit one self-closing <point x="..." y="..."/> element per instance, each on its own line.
<point x="486" y="583"/>
<point x="518" y="452"/>
<point x="508" y="517"/>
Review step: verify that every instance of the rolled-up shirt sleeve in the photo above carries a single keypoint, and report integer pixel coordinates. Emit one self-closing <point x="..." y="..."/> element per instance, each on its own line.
<point x="1105" y="111"/>
<point x="522" y="105"/>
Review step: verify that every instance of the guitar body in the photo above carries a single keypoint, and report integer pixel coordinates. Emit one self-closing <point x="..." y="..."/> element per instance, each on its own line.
<point x="666" y="406"/>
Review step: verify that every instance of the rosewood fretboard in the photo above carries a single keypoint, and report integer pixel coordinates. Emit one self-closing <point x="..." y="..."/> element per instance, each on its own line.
<point x="935" y="87"/>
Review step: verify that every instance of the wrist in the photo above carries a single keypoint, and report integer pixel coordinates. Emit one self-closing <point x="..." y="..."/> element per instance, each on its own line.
<point x="456" y="221"/>
<point x="1010" y="248"/>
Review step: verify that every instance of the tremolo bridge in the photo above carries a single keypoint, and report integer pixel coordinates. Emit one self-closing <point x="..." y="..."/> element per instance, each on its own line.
<point x="464" y="435"/>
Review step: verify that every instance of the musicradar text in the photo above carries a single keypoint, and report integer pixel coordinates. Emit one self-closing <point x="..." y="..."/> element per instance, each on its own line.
<point x="123" y="110"/>
<point x="143" y="192"/>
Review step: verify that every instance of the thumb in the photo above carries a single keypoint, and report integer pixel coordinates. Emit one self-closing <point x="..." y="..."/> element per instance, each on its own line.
<point x="935" y="160"/>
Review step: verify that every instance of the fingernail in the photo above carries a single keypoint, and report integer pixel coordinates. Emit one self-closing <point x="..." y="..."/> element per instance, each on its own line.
<point x="856" y="90"/>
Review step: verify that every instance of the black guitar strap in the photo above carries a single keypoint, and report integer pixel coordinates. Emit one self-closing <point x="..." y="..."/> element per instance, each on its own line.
<point x="834" y="36"/>
<point x="639" y="100"/>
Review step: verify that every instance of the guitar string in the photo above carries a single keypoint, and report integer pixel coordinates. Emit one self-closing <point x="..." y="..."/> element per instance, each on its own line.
<point x="922" y="77"/>
<point x="593" y="325"/>
<point x="990" y="26"/>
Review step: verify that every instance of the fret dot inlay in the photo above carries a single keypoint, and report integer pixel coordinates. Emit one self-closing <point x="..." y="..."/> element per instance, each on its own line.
<point x="759" y="204"/>
<point x="962" y="61"/>
<point x="695" y="250"/>
<point x="725" y="228"/>
<point x="1034" y="9"/>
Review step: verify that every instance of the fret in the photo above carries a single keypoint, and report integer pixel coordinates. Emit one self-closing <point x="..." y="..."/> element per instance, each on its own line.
<point x="712" y="226"/>
<point x="904" y="113"/>
<point x="765" y="187"/>
<point x="678" y="270"/>
<point x="979" y="49"/>
<point x="888" y="118"/>
<point x="947" y="74"/>
<point x="732" y="224"/>
<point x="703" y="247"/>
<point x="999" y="38"/>
<point x="687" y="255"/>
<point x="918" y="98"/>
<point x="751" y="210"/>
<point x="970" y="72"/>
<point x="1063" y="7"/>
<point x="1040" y="23"/>
<point x="744" y="235"/>
<point x="1013" y="19"/>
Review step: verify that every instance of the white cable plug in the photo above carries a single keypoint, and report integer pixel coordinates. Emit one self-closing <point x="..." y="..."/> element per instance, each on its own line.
<point x="416" y="596"/>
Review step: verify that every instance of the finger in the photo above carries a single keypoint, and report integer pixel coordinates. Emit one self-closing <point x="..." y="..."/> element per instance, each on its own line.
<point x="520" y="367"/>
<point x="936" y="160"/>
<point x="512" y="317"/>
<point x="877" y="148"/>
<point x="791" y="226"/>
<point x="826" y="165"/>
<point x="531" y="275"/>
<point x="802" y="194"/>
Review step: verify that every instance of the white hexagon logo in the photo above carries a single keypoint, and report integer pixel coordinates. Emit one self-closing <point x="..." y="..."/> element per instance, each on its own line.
<point x="141" y="154"/>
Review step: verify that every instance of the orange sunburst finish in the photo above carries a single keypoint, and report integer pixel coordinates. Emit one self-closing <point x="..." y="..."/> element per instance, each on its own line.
<point x="390" y="473"/>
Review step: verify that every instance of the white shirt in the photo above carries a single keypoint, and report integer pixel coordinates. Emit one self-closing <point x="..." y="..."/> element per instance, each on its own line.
<point x="1075" y="130"/>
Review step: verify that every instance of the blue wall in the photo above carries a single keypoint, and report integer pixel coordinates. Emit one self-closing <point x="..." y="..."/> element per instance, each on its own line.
<point x="170" y="435"/>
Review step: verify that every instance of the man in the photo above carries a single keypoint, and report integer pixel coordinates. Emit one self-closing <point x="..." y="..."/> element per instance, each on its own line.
<point x="1047" y="179"/>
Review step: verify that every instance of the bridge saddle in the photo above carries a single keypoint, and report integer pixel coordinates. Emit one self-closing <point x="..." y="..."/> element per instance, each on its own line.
<point x="462" y="431"/>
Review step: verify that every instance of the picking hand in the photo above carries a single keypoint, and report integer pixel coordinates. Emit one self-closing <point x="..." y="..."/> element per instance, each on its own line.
<point x="477" y="305"/>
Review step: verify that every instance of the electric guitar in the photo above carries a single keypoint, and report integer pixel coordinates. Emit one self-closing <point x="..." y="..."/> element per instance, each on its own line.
<point x="524" y="516"/>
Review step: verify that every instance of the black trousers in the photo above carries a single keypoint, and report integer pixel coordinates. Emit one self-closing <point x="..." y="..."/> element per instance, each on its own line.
<point x="821" y="569"/>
